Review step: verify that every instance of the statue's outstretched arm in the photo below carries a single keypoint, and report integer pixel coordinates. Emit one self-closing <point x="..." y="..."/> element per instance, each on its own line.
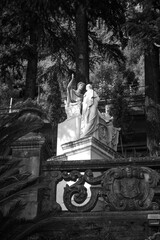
<point x="71" y="82"/>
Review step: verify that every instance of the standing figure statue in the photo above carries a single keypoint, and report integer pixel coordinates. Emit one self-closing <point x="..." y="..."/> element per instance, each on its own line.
<point x="74" y="99"/>
<point x="90" y="114"/>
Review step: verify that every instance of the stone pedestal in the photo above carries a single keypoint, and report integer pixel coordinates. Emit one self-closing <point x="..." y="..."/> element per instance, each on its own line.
<point x="94" y="147"/>
<point x="88" y="148"/>
<point x="68" y="131"/>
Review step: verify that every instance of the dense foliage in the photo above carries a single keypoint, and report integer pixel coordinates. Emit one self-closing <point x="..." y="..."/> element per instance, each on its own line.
<point x="34" y="31"/>
<point x="38" y="52"/>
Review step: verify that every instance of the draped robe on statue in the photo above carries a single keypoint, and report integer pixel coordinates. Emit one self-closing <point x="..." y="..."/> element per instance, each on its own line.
<point x="73" y="104"/>
<point x="90" y="116"/>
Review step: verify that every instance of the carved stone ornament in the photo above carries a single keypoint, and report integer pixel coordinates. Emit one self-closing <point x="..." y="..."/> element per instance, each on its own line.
<point x="79" y="192"/>
<point x="103" y="135"/>
<point x="130" y="188"/>
<point x="123" y="188"/>
<point x="109" y="135"/>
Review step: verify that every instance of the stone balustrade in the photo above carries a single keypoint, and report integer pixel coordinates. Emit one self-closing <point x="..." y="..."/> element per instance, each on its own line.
<point x="103" y="186"/>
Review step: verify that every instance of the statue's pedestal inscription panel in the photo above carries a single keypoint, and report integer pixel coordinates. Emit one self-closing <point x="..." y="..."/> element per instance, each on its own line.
<point x="68" y="131"/>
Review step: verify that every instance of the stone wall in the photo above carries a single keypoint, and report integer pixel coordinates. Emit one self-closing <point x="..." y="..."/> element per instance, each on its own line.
<point x="129" y="190"/>
<point x="32" y="150"/>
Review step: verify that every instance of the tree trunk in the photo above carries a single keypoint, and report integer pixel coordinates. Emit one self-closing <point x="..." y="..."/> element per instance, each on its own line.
<point x="82" y="56"/>
<point x="152" y="77"/>
<point x="152" y="74"/>
<point x="31" y="74"/>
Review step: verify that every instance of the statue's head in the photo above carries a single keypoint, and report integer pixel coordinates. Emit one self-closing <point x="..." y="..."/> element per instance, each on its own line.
<point x="88" y="86"/>
<point x="80" y="85"/>
<point x="107" y="108"/>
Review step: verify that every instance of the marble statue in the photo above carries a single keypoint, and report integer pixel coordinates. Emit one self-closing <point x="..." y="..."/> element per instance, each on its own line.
<point x="90" y="115"/>
<point x="73" y="103"/>
<point x="84" y="119"/>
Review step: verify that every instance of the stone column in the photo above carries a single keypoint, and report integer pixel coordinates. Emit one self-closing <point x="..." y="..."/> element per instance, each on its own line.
<point x="30" y="149"/>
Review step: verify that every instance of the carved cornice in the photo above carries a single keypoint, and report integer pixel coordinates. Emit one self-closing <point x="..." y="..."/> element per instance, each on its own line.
<point x="100" y="217"/>
<point x="33" y="140"/>
<point x="98" y="164"/>
<point x="57" y="159"/>
<point x="94" y="141"/>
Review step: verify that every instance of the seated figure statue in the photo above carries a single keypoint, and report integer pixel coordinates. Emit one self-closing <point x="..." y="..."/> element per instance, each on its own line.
<point x="106" y="115"/>
<point x="109" y="134"/>
<point x="74" y="99"/>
